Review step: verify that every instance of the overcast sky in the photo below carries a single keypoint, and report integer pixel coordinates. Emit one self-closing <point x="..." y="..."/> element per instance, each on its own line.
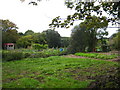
<point x="37" y="18"/>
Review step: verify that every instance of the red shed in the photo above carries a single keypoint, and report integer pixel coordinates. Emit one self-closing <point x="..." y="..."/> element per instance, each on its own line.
<point x="9" y="46"/>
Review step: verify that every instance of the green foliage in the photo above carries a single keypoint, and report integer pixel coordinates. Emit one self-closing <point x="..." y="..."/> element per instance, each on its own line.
<point x="58" y="72"/>
<point x="45" y="46"/>
<point x="78" y="40"/>
<point x="39" y="46"/>
<point x="95" y="23"/>
<point x="8" y="25"/>
<point x="29" y="32"/>
<point x="103" y="45"/>
<point x="31" y="37"/>
<point x="26" y="55"/>
<point x="114" y="42"/>
<point x="95" y="28"/>
<point x="85" y="35"/>
<point x="53" y="38"/>
<point x="10" y="36"/>
<point x="84" y="10"/>
<point x="65" y="41"/>
<point x="12" y="55"/>
<point x="20" y="33"/>
<point x="25" y="41"/>
<point x="97" y="55"/>
<point x="9" y="32"/>
<point x="39" y="38"/>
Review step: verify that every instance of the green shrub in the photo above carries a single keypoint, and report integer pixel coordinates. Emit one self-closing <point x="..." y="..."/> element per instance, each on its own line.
<point x="39" y="46"/>
<point x="45" y="46"/>
<point x="39" y="55"/>
<point x="26" y="55"/>
<point x="12" y="55"/>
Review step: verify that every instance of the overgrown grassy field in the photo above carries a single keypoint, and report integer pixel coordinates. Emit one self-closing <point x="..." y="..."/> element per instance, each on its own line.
<point x="59" y="72"/>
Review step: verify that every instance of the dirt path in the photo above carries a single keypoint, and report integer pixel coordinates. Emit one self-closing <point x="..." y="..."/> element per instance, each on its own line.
<point x="74" y="56"/>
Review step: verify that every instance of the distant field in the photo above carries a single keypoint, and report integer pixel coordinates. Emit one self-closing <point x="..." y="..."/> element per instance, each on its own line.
<point x="59" y="72"/>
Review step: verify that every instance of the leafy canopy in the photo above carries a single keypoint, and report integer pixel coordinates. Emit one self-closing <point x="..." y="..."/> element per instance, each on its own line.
<point x="85" y="10"/>
<point x="9" y="31"/>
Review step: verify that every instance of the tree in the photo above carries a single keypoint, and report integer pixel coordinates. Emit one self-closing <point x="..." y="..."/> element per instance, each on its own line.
<point x="96" y="28"/>
<point x="9" y="32"/>
<point x="53" y="38"/>
<point x="84" y="10"/>
<point x="87" y="34"/>
<point x="10" y="36"/>
<point x="21" y="34"/>
<point x="8" y="25"/>
<point x="25" y="41"/>
<point x="114" y="41"/>
<point x="29" y="39"/>
<point x="65" y="41"/>
<point x="39" y="38"/>
<point x="29" y="32"/>
<point x="78" y="41"/>
<point x="102" y="45"/>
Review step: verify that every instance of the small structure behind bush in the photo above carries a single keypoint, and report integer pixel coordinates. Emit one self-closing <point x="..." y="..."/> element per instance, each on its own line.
<point x="9" y="46"/>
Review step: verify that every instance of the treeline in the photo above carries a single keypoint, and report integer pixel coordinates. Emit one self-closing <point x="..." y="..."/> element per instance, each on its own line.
<point x="88" y="36"/>
<point x="50" y="38"/>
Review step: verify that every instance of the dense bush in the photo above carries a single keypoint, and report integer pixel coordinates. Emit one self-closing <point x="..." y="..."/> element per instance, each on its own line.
<point x="27" y="55"/>
<point x="39" y="46"/>
<point x="12" y="55"/>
